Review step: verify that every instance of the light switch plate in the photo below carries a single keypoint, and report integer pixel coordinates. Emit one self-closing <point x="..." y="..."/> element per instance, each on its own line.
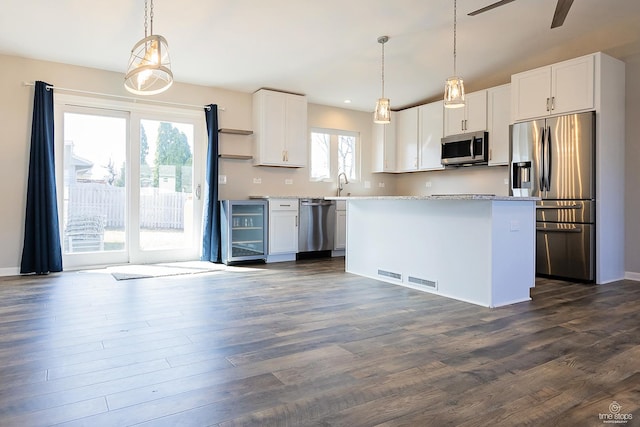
<point x="222" y="179"/>
<point x="381" y="184"/>
<point x="367" y="184"/>
<point x="257" y="180"/>
<point x="288" y="181"/>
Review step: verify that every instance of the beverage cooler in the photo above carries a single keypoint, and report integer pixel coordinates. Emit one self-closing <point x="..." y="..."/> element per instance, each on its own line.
<point x="243" y="230"/>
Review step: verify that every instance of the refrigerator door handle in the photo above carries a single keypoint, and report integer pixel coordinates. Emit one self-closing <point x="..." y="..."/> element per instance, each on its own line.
<point x="556" y="207"/>
<point x="541" y="168"/>
<point x="560" y="230"/>
<point x="548" y="161"/>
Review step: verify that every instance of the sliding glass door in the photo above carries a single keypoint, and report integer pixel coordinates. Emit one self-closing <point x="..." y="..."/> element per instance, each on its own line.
<point x="130" y="183"/>
<point x="166" y="191"/>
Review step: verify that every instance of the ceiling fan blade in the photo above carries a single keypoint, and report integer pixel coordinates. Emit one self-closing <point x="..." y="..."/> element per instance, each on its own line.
<point x="562" y="9"/>
<point x="491" y="6"/>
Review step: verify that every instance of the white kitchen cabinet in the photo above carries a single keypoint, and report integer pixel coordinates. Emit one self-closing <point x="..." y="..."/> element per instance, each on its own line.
<point x="470" y="118"/>
<point x="559" y="88"/>
<point x="283" y="230"/>
<point x="280" y="129"/>
<point x="498" y="120"/>
<point x="384" y="146"/>
<point x="407" y="140"/>
<point x="431" y="130"/>
<point x="340" y="239"/>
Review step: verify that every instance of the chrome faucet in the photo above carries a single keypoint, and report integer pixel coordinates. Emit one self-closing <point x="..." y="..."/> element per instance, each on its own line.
<point x="346" y="181"/>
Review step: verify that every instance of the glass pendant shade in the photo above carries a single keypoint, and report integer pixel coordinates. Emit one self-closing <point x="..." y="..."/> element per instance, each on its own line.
<point x="454" y="93"/>
<point x="149" y="71"/>
<point x="382" y="114"/>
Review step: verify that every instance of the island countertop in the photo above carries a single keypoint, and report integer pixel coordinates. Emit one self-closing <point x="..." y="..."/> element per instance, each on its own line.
<point x="437" y="197"/>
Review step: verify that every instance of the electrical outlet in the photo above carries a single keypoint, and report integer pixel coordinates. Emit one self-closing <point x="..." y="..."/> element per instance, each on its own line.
<point x="506" y="181"/>
<point x="222" y="179"/>
<point x="427" y="184"/>
<point x="367" y="184"/>
<point x="381" y="185"/>
<point x="257" y="180"/>
<point x="515" y="225"/>
<point x="288" y="181"/>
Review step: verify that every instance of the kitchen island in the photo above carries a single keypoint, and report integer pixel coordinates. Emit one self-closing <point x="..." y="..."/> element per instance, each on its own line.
<point x="471" y="247"/>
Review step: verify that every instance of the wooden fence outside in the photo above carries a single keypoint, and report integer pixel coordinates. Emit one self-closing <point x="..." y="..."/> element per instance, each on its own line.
<point x="159" y="209"/>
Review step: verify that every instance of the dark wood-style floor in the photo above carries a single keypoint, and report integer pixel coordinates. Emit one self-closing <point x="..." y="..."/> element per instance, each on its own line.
<point x="306" y="344"/>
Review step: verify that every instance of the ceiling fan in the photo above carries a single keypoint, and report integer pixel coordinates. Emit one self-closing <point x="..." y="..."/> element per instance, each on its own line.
<point x="562" y="9"/>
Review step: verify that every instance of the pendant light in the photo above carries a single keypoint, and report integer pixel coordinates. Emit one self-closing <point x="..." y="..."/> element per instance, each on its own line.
<point x="382" y="113"/>
<point x="149" y="71"/>
<point x="454" y="87"/>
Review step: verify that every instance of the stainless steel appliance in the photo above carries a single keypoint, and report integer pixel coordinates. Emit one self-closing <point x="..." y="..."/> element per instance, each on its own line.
<point x="243" y="230"/>
<point x="554" y="159"/>
<point x="465" y="149"/>
<point x="317" y="225"/>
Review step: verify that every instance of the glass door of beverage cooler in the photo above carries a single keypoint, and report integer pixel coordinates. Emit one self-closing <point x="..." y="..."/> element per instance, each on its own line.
<point x="244" y="232"/>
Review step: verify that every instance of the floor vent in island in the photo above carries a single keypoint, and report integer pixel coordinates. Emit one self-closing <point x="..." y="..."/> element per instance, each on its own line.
<point x="390" y="274"/>
<point x="423" y="282"/>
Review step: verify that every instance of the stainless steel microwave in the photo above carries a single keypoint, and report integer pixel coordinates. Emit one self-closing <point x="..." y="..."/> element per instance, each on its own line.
<point x="465" y="149"/>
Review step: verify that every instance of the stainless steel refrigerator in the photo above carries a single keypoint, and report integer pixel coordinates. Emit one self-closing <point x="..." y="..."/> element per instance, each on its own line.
<point x="554" y="159"/>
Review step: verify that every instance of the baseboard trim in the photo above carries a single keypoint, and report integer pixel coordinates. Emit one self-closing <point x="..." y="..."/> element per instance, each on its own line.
<point x="631" y="275"/>
<point x="11" y="271"/>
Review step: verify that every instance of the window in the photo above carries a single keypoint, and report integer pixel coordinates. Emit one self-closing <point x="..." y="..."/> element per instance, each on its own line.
<point x="333" y="152"/>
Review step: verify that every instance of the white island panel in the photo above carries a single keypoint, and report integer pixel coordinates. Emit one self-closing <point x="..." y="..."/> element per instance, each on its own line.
<point x="475" y="250"/>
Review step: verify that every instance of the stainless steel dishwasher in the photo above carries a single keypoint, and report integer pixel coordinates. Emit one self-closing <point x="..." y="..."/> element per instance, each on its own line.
<point x="317" y="225"/>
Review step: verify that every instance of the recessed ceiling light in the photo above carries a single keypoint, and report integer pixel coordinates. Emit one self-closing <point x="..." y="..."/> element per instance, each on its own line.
<point x="347" y="101"/>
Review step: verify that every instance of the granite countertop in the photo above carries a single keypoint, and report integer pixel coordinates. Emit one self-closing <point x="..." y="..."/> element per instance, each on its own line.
<point x="439" y="197"/>
<point x="287" y="197"/>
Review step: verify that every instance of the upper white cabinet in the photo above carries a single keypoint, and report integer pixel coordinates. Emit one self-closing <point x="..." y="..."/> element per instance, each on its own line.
<point x="498" y="120"/>
<point x="560" y="88"/>
<point x="407" y="140"/>
<point x="384" y="146"/>
<point x="430" y="119"/>
<point x="470" y="118"/>
<point x="280" y="129"/>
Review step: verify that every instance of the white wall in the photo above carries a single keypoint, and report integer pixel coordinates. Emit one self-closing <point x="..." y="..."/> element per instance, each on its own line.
<point x="632" y="169"/>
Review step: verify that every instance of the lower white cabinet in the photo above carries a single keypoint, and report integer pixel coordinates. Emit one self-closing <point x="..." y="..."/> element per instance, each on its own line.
<point x="283" y="230"/>
<point x="340" y="239"/>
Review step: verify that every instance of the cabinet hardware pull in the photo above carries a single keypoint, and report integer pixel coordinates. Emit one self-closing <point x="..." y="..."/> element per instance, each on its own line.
<point x="553" y="103"/>
<point x="548" y="104"/>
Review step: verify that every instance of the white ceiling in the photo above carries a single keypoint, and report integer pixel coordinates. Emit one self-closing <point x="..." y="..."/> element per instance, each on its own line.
<point x="325" y="49"/>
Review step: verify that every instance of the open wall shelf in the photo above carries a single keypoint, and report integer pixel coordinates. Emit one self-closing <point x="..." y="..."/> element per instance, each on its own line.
<point x="235" y="132"/>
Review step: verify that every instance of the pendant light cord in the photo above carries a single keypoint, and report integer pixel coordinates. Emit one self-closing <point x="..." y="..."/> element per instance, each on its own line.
<point x="151" y="17"/>
<point x="145" y="19"/>
<point x="383" y="69"/>
<point x="454" y="36"/>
